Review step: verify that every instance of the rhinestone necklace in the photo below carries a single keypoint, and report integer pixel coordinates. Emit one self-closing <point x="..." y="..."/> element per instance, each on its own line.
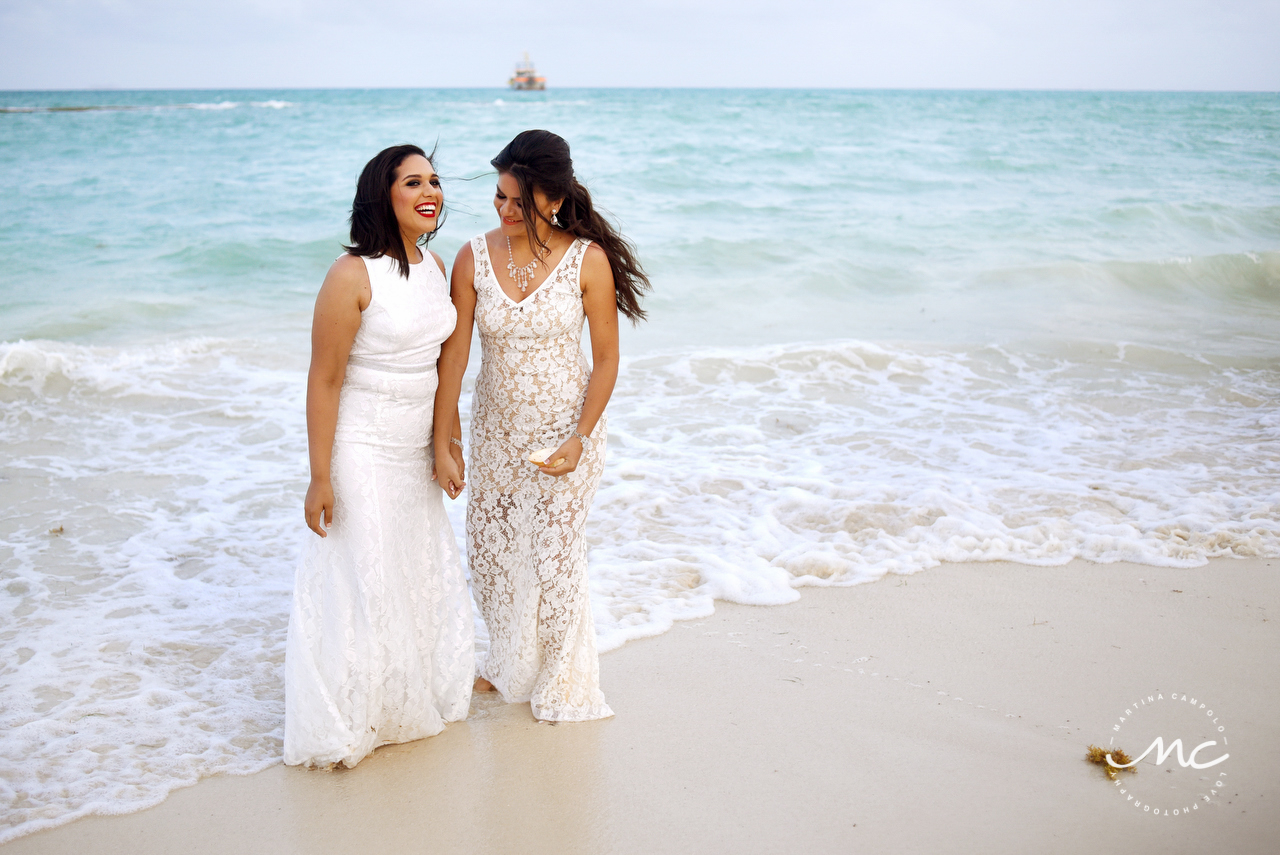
<point x="522" y="276"/>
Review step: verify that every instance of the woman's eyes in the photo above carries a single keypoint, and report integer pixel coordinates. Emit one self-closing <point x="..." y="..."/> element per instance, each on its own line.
<point x="435" y="182"/>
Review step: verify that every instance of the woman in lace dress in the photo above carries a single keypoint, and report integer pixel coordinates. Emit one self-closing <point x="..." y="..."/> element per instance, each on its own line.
<point x="528" y="285"/>
<point x="381" y="640"/>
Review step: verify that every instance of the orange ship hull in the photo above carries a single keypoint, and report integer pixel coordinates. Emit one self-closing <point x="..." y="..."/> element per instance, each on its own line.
<point x="527" y="82"/>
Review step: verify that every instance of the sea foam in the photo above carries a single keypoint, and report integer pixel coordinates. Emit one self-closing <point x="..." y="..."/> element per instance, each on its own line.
<point x="742" y="474"/>
<point x="155" y="497"/>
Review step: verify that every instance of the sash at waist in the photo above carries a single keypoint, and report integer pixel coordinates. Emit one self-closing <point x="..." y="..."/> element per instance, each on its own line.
<point x="374" y="364"/>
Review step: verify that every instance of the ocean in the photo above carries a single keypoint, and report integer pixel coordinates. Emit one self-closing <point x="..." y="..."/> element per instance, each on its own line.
<point x="888" y="330"/>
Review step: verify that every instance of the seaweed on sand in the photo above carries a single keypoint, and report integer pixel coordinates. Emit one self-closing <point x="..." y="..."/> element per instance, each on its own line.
<point x="1099" y="755"/>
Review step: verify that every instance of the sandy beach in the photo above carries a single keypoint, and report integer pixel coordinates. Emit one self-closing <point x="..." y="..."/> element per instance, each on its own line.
<point x="944" y="711"/>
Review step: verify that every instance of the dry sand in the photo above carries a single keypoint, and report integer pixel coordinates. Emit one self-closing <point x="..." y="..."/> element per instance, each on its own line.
<point x="946" y="711"/>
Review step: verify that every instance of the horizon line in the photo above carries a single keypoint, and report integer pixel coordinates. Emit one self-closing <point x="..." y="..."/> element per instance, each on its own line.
<point x="522" y="93"/>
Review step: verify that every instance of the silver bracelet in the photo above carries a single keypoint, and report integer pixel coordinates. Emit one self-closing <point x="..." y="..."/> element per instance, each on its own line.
<point x="583" y="438"/>
<point x="456" y="441"/>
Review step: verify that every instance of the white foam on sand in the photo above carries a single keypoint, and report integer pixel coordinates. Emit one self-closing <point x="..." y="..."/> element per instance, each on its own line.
<point x="741" y="474"/>
<point x="147" y="628"/>
<point x="144" y="640"/>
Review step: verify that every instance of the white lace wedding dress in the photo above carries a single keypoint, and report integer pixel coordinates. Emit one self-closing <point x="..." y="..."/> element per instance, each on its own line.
<point x="381" y="640"/>
<point x="526" y="547"/>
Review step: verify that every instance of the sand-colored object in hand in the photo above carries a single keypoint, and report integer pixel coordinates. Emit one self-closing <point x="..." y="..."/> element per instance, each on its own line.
<point x="542" y="455"/>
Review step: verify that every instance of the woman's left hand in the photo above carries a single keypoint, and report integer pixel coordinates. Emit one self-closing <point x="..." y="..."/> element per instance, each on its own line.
<point x="571" y="451"/>
<point x="455" y="451"/>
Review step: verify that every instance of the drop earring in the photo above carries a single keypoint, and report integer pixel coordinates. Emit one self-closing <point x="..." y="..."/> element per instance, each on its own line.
<point x="555" y="220"/>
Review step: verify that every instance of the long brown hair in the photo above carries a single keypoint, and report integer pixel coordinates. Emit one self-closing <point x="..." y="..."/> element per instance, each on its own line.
<point x="374" y="229"/>
<point x="540" y="160"/>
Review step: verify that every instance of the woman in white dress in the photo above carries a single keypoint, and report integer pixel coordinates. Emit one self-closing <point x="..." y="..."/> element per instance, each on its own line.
<point x="528" y="285"/>
<point x="380" y="646"/>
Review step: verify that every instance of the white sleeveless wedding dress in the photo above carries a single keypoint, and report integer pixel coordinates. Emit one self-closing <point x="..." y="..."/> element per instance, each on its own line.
<point x="526" y="547"/>
<point x="381" y="641"/>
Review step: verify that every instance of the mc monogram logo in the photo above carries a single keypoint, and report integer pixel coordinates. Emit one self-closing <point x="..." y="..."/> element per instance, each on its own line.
<point x="1180" y="790"/>
<point x="1163" y="753"/>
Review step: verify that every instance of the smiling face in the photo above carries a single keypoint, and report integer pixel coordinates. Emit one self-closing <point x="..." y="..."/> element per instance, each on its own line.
<point x="416" y="197"/>
<point x="506" y="200"/>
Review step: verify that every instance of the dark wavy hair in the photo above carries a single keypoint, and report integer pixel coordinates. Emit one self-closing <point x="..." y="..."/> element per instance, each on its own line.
<point x="374" y="229"/>
<point x="540" y="160"/>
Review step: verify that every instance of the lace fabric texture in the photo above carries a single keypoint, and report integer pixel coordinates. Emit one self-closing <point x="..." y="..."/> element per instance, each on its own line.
<point x="525" y="541"/>
<point x="381" y="640"/>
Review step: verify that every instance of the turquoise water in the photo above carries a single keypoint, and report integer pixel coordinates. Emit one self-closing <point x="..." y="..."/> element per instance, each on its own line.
<point x="888" y="329"/>
<point x="770" y="215"/>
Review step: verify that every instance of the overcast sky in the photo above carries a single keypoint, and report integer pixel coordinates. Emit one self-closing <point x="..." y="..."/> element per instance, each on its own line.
<point x="993" y="44"/>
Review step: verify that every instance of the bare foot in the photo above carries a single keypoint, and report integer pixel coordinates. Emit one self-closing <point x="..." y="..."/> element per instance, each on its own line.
<point x="482" y="685"/>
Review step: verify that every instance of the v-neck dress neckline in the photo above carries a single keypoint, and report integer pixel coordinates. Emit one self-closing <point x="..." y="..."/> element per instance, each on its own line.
<point x="493" y="272"/>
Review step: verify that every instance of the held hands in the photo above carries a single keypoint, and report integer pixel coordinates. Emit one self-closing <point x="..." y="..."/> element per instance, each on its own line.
<point x="566" y="458"/>
<point x="449" y="471"/>
<point x="319" y="503"/>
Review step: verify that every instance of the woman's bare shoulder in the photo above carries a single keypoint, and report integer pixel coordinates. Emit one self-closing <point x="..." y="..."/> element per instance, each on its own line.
<point x="347" y="276"/>
<point x="348" y="266"/>
<point x="439" y="261"/>
<point x="465" y="255"/>
<point x="595" y="265"/>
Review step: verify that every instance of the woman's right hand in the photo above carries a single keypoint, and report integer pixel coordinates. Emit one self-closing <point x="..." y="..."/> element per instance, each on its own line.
<point x="319" y="503"/>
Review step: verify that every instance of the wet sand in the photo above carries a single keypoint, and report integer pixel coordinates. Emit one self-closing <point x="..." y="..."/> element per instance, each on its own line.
<point x="945" y="711"/>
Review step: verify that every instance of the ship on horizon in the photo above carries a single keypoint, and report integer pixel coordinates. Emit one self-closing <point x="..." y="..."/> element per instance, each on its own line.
<point x="526" y="76"/>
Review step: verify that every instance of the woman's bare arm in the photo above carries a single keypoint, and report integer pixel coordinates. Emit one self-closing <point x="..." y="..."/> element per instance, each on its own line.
<point x="343" y="296"/>
<point x="454" y="354"/>
<point x="600" y="302"/>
